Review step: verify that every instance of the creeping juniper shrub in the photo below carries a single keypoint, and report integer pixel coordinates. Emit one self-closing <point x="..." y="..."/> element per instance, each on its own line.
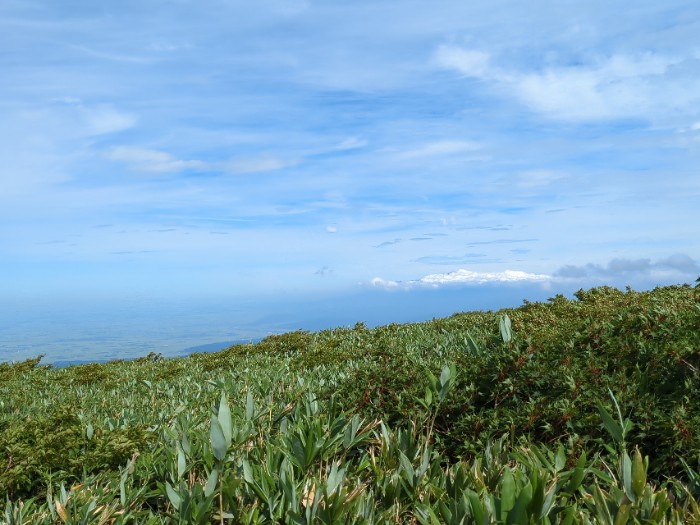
<point x="33" y="452"/>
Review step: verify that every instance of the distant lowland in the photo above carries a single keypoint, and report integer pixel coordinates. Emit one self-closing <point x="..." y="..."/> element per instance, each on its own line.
<point x="209" y="347"/>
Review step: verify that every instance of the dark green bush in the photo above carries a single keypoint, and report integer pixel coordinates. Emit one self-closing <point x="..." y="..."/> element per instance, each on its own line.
<point x="35" y="452"/>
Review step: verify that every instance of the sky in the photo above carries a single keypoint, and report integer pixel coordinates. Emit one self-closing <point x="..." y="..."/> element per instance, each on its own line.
<point x="252" y="151"/>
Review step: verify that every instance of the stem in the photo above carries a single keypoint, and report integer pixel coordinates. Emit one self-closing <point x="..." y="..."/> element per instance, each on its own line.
<point x="221" y="497"/>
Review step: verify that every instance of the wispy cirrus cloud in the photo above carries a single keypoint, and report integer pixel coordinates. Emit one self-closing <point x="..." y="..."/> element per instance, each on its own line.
<point x="467" y="258"/>
<point x="71" y="116"/>
<point x="259" y="164"/>
<point x="439" y="149"/>
<point x="500" y="241"/>
<point x="168" y="46"/>
<point x="153" y="161"/>
<point x="158" y="161"/>
<point x="103" y="119"/>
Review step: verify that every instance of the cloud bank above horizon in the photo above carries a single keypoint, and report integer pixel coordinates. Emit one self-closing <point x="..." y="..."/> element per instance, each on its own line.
<point x="676" y="269"/>
<point x="293" y="147"/>
<point x="461" y="277"/>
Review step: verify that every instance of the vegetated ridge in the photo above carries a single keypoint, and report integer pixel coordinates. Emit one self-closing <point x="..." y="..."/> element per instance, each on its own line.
<point x="570" y="411"/>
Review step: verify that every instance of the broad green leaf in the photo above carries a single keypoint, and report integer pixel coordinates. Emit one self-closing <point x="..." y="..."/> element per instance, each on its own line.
<point x="549" y="499"/>
<point x="350" y="432"/>
<point x="445" y="375"/>
<point x="185" y="442"/>
<point x="610" y="425"/>
<point x="639" y="474"/>
<point x="122" y="488"/>
<point x="623" y="513"/>
<point x="507" y="493"/>
<point x="428" y="397"/>
<point x="406" y="465"/>
<point x="335" y="479"/>
<point x="249" y="407"/>
<point x="224" y="417"/>
<point x="578" y="474"/>
<point x="601" y="506"/>
<point x="536" y="504"/>
<point x="506" y="333"/>
<point x="518" y="514"/>
<point x="447" y="378"/>
<point x="627" y="476"/>
<point x="247" y="471"/>
<point x="471" y="344"/>
<point x="210" y="487"/>
<point x="181" y="463"/>
<point x="569" y="515"/>
<point x="173" y="496"/>
<point x="219" y="445"/>
<point x="560" y="458"/>
<point x="478" y="510"/>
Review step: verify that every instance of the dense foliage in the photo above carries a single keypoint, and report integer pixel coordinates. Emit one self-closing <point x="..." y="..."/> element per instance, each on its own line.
<point x="570" y="411"/>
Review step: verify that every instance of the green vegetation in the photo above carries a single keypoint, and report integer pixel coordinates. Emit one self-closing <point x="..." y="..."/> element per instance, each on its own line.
<point x="570" y="411"/>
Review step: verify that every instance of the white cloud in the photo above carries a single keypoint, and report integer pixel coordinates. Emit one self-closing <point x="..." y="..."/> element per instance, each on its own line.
<point x="617" y="87"/>
<point x="97" y="119"/>
<point x="168" y="47"/>
<point x="257" y="165"/>
<point x="157" y="161"/>
<point x="378" y="282"/>
<point x="106" y="55"/>
<point x="154" y="161"/>
<point x="70" y="101"/>
<point x="287" y="7"/>
<point x="538" y="178"/>
<point x="104" y="119"/>
<point x="469" y="62"/>
<point x="441" y="148"/>
<point x="463" y="276"/>
<point x="351" y="143"/>
<point x="583" y="94"/>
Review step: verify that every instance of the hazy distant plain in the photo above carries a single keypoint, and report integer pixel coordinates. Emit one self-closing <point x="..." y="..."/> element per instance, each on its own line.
<point x="94" y="329"/>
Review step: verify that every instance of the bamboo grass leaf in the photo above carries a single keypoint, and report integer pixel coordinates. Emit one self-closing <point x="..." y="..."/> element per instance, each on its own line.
<point x="638" y="473"/>
<point x="518" y="514"/>
<point x="224" y="417"/>
<point x="560" y="458"/>
<point x="623" y="513"/>
<point x="478" y="510"/>
<point x="212" y="480"/>
<point x="218" y="440"/>
<point x="601" y="506"/>
<point x="614" y="429"/>
<point x="249" y="407"/>
<point x="507" y="493"/>
<point x="471" y="344"/>
<point x="505" y="326"/>
<point x="578" y="474"/>
<point x="173" y="496"/>
<point x="627" y="476"/>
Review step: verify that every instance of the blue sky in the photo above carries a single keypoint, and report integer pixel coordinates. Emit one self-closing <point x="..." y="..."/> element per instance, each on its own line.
<point x="254" y="149"/>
